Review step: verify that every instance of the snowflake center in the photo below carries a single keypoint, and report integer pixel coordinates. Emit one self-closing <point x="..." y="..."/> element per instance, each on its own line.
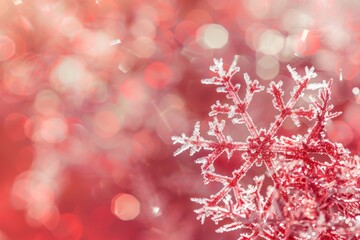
<point x="260" y="147"/>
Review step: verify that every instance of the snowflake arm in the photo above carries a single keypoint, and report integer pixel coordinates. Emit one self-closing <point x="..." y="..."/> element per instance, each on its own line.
<point x="223" y="80"/>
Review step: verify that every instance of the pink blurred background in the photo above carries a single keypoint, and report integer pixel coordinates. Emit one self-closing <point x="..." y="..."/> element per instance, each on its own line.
<point x="91" y="92"/>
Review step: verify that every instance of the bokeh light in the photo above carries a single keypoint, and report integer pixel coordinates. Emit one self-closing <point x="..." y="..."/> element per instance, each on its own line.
<point x="157" y="75"/>
<point x="92" y="91"/>
<point x="213" y="36"/>
<point x="126" y="207"/>
<point x="7" y="48"/>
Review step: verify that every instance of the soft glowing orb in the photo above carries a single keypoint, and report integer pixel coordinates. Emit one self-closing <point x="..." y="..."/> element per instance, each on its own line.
<point x="125" y="206"/>
<point x="267" y="67"/>
<point x="69" y="73"/>
<point x="143" y="47"/>
<point x="70" y="26"/>
<point x="143" y="27"/>
<point x="107" y="123"/>
<point x="54" y="130"/>
<point x="7" y="48"/>
<point x="157" y="75"/>
<point x="271" y="42"/>
<point x="355" y="90"/>
<point x="213" y="36"/>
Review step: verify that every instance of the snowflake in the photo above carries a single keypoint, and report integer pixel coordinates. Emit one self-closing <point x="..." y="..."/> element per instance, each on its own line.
<point x="307" y="198"/>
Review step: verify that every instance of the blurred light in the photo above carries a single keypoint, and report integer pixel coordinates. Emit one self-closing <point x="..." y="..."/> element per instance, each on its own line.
<point x="33" y="192"/>
<point x="252" y="35"/>
<point x="26" y="24"/>
<point x="143" y="47"/>
<point x="325" y="60"/>
<point x="212" y="36"/>
<point x="70" y="26"/>
<point x="125" y="206"/>
<point x="107" y="123"/>
<point x="31" y="127"/>
<point x="126" y="62"/>
<point x="54" y="130"/>
<point x="147" y="11"/>
<point x="160" y="44"/>
<point x="156" y="211"/>
<point x="92" y="43"/>
<point x="340" y="74"/>
<point x="267" y="67"/>
<point x="167" y="14"/>
<point x="193" y="51"/>
<point x="98" y="92"/>
<point x="69" y="72"/>
<point x="271" y="42"/>
<point x="48" y="5"/>
<point x="295" y="20"/>
<point x="157" y="75"/>
<point x="143" y="27"/>
<point x="304" y="35"/>
<point x="336" y="37"/>
<point x="17" y="2"/>
<point x="43" y="214"/>
<point x="258" y="8"/>
<point x="287" y="53"/>
<point x="346" y="69"/>
<point x="115" y="42"/>
<point x="133" y="90"/>
<point x="76" y="150"/>
<point x="70" y="75"/>
<point x="172" y="101"/>
<point x="308" y="47"/>
<point x="51" y="218"/>
<point x="46" y="102"/>
<point x="7" y="48"/>
<point x="355" y="90"/>
<point x="18" y="78"/>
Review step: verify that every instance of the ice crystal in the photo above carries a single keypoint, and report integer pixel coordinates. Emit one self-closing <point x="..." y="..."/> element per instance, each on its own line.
<point x="308" y="198"/>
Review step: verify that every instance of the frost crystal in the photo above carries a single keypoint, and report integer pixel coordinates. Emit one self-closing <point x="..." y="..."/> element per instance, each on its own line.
<point x="303" y="196"/>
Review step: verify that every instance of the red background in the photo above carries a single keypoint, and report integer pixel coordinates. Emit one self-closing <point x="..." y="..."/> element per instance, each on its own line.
<point x="92" y="91"/>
